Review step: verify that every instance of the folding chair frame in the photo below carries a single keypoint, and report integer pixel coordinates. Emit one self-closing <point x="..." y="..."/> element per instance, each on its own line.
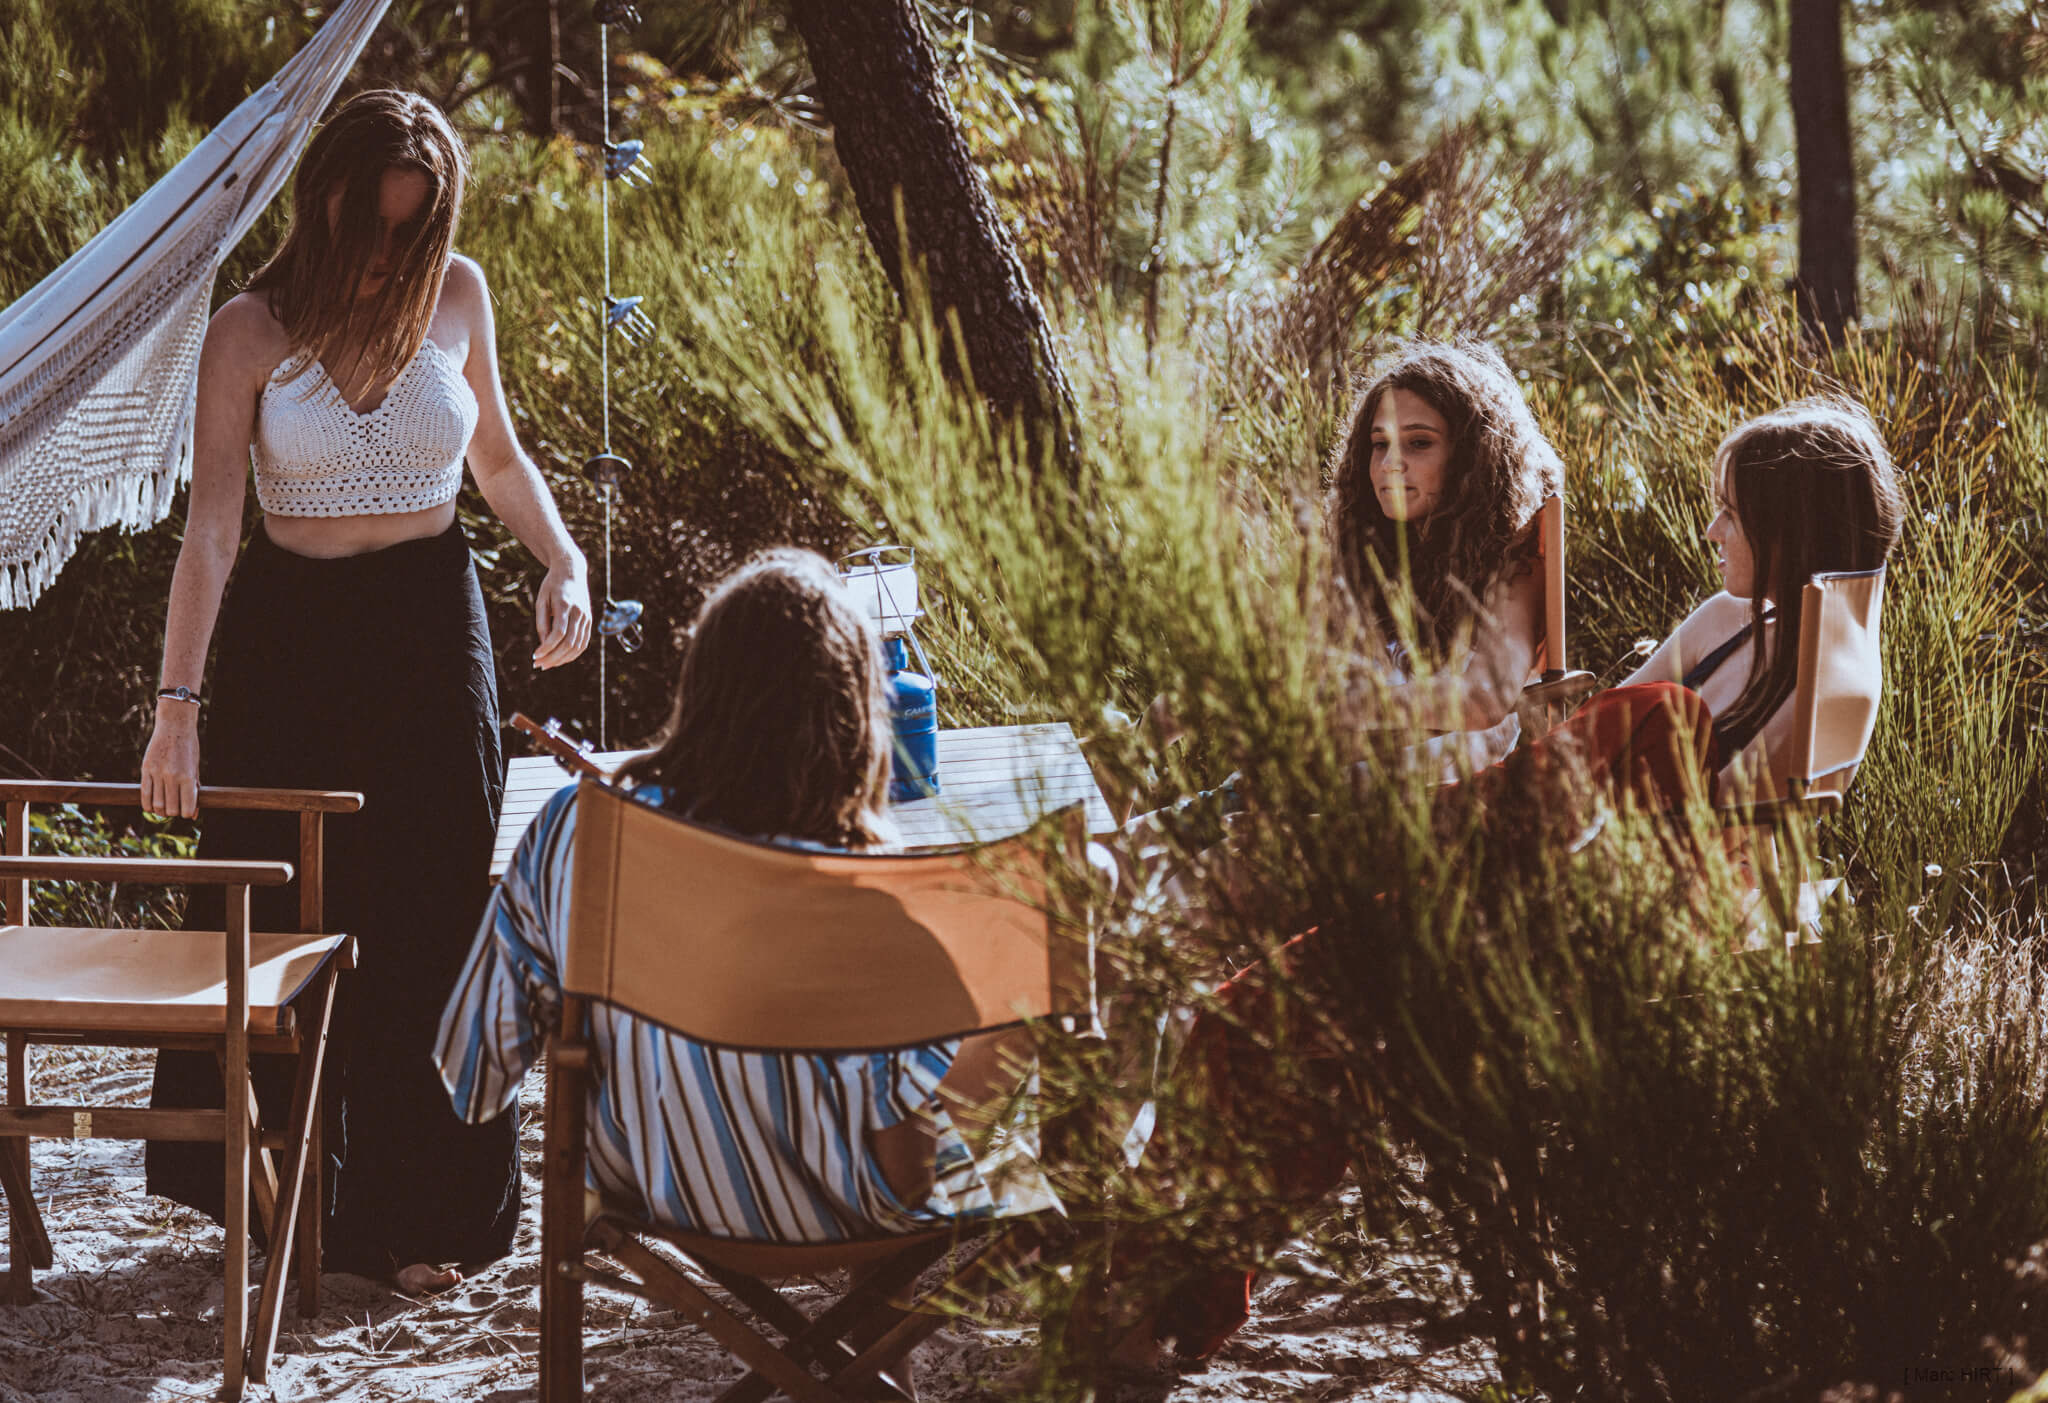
<point x="1776" y="819"/>
<point x="288" y="1203"/>
<point x="841" y="1354"/>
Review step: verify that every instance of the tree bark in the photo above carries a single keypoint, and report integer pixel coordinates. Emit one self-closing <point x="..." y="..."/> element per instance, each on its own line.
<point x="1827" y="174"/>
<point x="897" y="134"/>
<point x="534" y="39"/>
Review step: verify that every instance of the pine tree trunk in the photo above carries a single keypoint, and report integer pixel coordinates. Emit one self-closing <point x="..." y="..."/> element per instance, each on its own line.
<point x="896" y="132"/>
<point x="534" y="35"/>
<point x="1827" y="172"/>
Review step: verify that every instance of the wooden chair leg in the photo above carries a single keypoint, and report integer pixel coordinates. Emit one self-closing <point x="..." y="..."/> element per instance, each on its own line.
<point x="30" y="1239"/>
<point x="561" y="1330"/>
<point x="913" y="1326"/>
<point x="285" y="1210"/>
<point x="234" y="1308"/>
<point x="28" y="1244"/>
<point x="663" y="1282"/>
<point x="562" y="1220"/>
<point x="823" y="1338"/>
<point x="313" y="1209"/>
<point x="263" y="1181"/>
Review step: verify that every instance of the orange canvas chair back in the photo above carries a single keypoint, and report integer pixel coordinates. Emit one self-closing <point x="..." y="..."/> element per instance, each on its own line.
<point x="751" y="945"/>
<point x="1550" y="657"/>
<point x="1841" y="678"/>
<point x="1556" y="689"/>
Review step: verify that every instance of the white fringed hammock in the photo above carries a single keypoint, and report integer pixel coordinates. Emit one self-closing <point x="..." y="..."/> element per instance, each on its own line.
<point x="99" y="362"/>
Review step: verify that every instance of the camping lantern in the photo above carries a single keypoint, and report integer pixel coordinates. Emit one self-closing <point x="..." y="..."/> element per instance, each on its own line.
<point x="883" y="581"/>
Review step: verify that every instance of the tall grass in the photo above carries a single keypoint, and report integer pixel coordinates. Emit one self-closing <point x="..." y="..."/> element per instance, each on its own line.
<point x="1666" y="1172"/>
<point x="1669" y="1172"/>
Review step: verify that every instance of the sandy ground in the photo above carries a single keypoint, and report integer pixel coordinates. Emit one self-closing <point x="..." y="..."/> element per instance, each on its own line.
<point x="131" y="1313"/>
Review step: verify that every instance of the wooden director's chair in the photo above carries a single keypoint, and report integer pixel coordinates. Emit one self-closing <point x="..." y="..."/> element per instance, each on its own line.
<point x="746" y="945"/>
<point x="1557" y="688"/>
<point x="1834" y="712"/>
<point x="231" y="993"/>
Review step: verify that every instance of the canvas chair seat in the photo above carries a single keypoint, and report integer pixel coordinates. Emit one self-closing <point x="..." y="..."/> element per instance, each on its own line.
<point x="771" y="1261"/>
<point x="153" y="981"/>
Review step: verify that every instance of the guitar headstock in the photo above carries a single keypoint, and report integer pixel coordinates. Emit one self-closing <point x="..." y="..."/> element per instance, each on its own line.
<point x="557" y="742"/>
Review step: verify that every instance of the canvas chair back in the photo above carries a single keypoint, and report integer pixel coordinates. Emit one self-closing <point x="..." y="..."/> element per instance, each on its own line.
<point x="1553" y="688"/>
<point x="1550" y="655"/>
<point x="1841" y="678"/>
<point x="750" y="945"/>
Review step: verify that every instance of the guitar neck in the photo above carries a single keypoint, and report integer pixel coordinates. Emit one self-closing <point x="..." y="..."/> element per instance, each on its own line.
<point x="560" y="747"/>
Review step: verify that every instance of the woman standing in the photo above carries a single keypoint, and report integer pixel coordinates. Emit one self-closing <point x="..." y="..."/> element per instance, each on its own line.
<point x="361" y="368"/>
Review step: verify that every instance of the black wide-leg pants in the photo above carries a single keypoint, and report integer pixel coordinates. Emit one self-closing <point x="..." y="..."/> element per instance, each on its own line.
<point x="370" y="672"/>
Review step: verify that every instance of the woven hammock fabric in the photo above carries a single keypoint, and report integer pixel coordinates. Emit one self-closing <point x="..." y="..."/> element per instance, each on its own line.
<point x="99" y="362"/>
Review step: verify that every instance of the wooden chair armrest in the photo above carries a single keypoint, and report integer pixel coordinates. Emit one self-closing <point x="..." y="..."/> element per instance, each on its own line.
<point x="1560" y="687"/>
<point x="211" y="796"/>
<point x="161" y="870"/>
<point x="1769" y="813"/>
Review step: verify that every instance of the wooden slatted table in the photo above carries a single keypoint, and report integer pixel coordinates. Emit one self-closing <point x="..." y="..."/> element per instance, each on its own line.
<point x="994" y="781"/>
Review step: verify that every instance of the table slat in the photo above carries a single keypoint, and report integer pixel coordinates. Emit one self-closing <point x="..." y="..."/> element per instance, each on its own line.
<point x="994" y="781"/>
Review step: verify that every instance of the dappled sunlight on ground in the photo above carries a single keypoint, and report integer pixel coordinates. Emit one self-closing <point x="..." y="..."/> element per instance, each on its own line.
<point x="131" y="1314"/>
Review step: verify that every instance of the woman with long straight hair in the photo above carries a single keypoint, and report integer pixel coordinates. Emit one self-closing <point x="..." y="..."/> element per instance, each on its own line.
<point x="359" y="371"/>
<point x="1805" y="490"/>
<point x="780" y="734"/>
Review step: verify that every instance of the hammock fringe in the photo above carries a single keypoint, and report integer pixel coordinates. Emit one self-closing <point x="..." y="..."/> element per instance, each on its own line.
<point x="134" y="503"/>
<point x="99" y="361"/>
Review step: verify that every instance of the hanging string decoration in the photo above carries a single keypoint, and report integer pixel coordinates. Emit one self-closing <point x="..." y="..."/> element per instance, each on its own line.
<point x="618" y="621"/>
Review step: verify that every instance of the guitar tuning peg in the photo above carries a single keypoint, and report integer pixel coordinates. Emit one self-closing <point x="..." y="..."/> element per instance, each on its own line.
<point x="623" y="315"/>
<point x="627" y="161"/>
<point x="617" y="12"/>
<point x="554" y="728"/>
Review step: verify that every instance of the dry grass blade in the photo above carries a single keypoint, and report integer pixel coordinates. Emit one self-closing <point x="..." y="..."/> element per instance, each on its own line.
<point x="1454" y="243"/>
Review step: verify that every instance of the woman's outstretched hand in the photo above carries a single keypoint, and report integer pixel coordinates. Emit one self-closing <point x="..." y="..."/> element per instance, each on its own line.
<point x="170" y="767"/>
<point x="561" y="616"/>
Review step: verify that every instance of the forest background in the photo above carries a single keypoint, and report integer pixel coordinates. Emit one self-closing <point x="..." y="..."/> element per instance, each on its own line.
<point x="1801" y="1175"/>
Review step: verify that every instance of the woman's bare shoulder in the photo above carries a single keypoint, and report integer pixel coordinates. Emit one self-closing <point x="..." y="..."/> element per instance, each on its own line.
<point x="245" y="339"/>
<point x="465" y="279"/>
<point x="246" y="323"/>
<point x="1719" y="615"/>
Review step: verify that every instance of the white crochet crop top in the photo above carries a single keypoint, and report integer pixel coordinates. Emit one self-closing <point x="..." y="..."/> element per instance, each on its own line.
<point x="315" y="456"/>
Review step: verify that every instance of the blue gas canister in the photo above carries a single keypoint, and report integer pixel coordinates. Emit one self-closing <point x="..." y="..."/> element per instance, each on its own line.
<point x="915" y="770"/>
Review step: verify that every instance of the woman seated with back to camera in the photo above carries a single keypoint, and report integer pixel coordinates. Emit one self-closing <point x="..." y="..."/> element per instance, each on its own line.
<point x="780" y="733"/>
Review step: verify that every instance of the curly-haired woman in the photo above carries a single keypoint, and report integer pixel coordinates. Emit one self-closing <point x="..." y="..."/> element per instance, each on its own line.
<point x="1434" y="491"/>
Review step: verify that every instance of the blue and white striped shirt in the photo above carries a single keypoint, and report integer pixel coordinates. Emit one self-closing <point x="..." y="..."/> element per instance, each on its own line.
<point x="766" y="1146"/>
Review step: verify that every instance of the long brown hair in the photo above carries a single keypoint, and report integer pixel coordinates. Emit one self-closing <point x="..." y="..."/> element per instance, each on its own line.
<point x="1499" y="470"/>
<point x="1813" y="489"/>
<point x="311" y="280"/>
<point x="781" y="724"/>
